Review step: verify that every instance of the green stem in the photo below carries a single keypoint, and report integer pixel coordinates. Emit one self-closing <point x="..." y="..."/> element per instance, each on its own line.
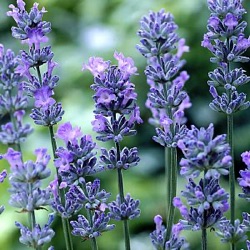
<point x="168" y="177"/>
<point x="121" y="193"/>
<point x="93" y="241"/>
<point x="173" y="187"/>
<point x="204" y="238"/>
<point x="65" y="222"/>
<point x="232" y="171"/>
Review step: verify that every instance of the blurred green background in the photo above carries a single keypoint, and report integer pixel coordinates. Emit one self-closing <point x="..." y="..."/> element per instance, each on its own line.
<point x="84" y="28"/>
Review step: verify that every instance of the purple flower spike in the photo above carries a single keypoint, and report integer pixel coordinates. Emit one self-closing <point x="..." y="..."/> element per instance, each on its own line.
<point x="226" y="41"/>
<point x="30" y="27"/>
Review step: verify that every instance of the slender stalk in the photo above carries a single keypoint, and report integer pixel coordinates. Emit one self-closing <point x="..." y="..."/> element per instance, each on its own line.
<point x="121" y="193"/>
<point x="168" y="174"/>
<point x="31" y="214"/>
<point x="65" y="222"/>
<point x="232" y="171"/>
<point x="231" y="144"/>
<point x="204" y="238"/>
<point x="204" y="230"/>
<point x="173" y="187"/>
<point x="93" y="241"/>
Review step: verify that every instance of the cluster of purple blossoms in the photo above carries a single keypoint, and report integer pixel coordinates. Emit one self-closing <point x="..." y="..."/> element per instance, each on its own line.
<point x="75" y="162"/>
<point x="116" y="114"/>
<point x="115" y="98"/>
<point x="225" y="39"/>
<point x="32" y="30"/>
<point x="159" y="234"/>
<point x="244" y="180"/>
<point x="234" y="234"/>
<point x="167" y="100"/>
<point x="202" y="152"/>
<point x="27" y="194"/>
<point x="207" y="201"/>
<point x="37" y="237"/>
<point x="13" y="101"/>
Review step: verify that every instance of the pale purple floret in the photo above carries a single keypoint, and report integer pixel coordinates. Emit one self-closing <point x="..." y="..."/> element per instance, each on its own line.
<point x="159" y="234"/>
<point x="67" y="133"/>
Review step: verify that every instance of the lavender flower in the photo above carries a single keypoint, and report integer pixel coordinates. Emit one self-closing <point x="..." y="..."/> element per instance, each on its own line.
<point x="158" y="236"/>
<point x="202" y="152"/>
<point x="114" y="94"/>
<point x="166" y="99"/>
<point x="78" y="159"/>
<point x="116" y="113"/>
<point x="157" y="33"/>
<point x="128" y="158"/>
<point x="38" y="236"/>
<point x="12" y="100"/>
<point x="245" y="177"/>
<point x="233" y="233"/>
<point x="83" y="228"/>
<point x="124" y="210"/>
<point x="25" y="179"/>
<point x="208" y="202"/>
<point x="226" y="41"/>
<point x="32" y="30"/>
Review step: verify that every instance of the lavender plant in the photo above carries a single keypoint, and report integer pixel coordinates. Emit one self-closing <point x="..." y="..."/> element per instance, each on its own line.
<point x="116" y="114"/>
<point x="226" y="40"/>
<point x="75" y="194"/>
<point x="167" y="100"/>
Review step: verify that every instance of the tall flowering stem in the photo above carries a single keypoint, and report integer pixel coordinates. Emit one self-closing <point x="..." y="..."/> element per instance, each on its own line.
<point x="166" y="98"/>
<point x="207" y="200"/>
<point x="31" y="29"/>
<point x="116" y="114"/>
<point x="225" y="39"/>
